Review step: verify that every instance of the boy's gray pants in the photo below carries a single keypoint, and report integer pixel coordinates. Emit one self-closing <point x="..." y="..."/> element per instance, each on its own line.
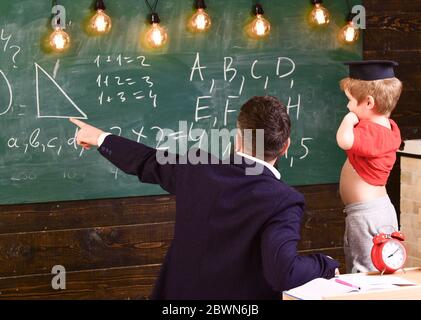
<point x="363" y="221"/>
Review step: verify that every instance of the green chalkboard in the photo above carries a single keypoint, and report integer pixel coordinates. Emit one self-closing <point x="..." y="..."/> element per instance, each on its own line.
<point x="123" y="88"/>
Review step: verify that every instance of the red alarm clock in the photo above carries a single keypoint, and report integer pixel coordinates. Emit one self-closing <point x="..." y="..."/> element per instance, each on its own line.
<point x="388" y="253"/>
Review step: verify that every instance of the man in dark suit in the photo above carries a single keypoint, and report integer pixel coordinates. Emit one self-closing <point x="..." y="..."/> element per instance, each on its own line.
<point x="237" y="224"/>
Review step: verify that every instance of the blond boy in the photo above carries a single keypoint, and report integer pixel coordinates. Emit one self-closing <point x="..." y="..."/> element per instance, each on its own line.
<point x="370" y="139"/>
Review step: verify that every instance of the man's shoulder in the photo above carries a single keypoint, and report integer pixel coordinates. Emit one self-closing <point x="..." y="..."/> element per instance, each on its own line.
<point x="292" y="194"/>
<point x="286" y="202"/>
<point x="288" y="189"/>
<point x="279" y="191"/>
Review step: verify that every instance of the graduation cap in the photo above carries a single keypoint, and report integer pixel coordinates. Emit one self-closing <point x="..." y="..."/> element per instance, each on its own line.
<point x="370" y="70"/>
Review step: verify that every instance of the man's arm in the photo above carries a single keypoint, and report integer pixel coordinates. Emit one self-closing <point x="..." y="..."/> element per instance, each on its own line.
<point x="345" y="134"/>
<point x="283" y="267"/>
<point x="131" y="157"/>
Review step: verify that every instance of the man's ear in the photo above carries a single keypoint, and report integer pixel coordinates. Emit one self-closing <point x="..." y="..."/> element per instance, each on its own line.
<point x="369" y="103"/>
<point x="286" y="147"/>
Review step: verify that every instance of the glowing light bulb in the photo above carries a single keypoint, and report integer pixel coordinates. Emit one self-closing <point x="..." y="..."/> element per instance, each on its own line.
<point x="259" y="27"/>
<point x="200" y="21"/>
<point x="59" y="40"/>
<point x="349" y="33"/>
<point x="156" y="36"/>
<point x="101" y="22"/>
<point x="319" y="15"/>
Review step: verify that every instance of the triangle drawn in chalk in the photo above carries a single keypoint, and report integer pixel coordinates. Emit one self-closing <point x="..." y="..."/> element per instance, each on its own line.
<point x="52" y="100"/>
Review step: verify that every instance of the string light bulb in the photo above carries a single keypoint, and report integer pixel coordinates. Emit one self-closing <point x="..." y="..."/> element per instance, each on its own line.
<point x="156" y="36"/>
<point x="260" y="27"/>
<point x="349" y="33"/>
<point x="59" y="40"/>
<point x="319" y="15"/>
<point x="200" y="21"/>
<point x="100" y="23"/>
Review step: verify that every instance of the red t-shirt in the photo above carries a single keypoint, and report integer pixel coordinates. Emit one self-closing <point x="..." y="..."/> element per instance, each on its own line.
<point x="373" y="153"/>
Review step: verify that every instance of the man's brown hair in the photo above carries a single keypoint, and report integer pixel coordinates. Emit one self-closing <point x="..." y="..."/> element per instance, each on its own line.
<point x="269" y="114"/>
<point x="386" y="92"/>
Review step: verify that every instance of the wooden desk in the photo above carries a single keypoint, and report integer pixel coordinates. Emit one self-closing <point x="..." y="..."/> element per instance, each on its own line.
<point x="401" y="293"/>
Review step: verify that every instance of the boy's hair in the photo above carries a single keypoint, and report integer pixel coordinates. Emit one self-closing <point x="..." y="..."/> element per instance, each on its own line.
<point x="269" y="114"/>
<point x="386" y="92"/>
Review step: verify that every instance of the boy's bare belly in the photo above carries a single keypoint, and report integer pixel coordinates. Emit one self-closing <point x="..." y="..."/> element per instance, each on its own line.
<point x="354" y="189"/>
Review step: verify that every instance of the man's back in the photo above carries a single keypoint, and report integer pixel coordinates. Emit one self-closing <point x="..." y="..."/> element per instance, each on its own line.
<point x="235" y="235"/>
<point x="221" y="214"/>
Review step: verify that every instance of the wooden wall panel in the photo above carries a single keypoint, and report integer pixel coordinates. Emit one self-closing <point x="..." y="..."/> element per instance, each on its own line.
<point x="394" y="32"/>
<point x="78" y="214"/>
<point x="134" y="282"/>
<point x="83" y="249"/>
<point x="324" y="221"/>
<point x="392" y="6"/>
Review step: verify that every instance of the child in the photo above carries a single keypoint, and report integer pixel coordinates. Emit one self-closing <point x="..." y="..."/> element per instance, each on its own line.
<point x="236" y="235"/>
<point x="370" y="140"/>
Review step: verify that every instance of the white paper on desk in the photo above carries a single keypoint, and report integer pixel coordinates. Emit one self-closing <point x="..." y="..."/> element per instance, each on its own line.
<point x="370" y="282"/>
<point x="319" y="288"/>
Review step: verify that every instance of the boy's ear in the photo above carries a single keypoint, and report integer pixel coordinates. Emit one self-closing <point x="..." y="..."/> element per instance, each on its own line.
<point x="286" y="147"/>
<point x="369" y="102"/>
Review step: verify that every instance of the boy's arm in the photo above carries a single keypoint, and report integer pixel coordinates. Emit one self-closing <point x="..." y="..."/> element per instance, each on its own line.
<point x="283" y="267"/>
<point x="129" y="156"/>
<point x="345" y="134"/>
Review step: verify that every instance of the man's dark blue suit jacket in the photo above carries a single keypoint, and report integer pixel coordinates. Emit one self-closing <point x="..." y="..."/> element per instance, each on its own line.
<point x="235" y="235"/>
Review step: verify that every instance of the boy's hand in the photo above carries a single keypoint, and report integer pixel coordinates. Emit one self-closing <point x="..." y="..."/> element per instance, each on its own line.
<point x="87" y="135"/>
<point x="352" y="118"/>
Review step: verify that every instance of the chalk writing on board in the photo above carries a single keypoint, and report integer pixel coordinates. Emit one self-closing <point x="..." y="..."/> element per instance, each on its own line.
<point x="283" y="67"/>
<point x="56" y="67"/>
<point x="23" y="176"/>
<point x="128" y="87"/>
<point x="283" y="70"/>
<point x="297" y="105"/>
<point x="8" y="104"/>
<point x="305" y="147"/>
<point x="76" y="111"/>
<point x="140" y="86"/>
<point x="14" y="48"/>
<point x="121" y="60"/>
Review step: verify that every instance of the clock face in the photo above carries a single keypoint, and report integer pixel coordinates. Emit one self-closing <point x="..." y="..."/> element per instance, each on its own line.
<point x="393" y="254"/>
